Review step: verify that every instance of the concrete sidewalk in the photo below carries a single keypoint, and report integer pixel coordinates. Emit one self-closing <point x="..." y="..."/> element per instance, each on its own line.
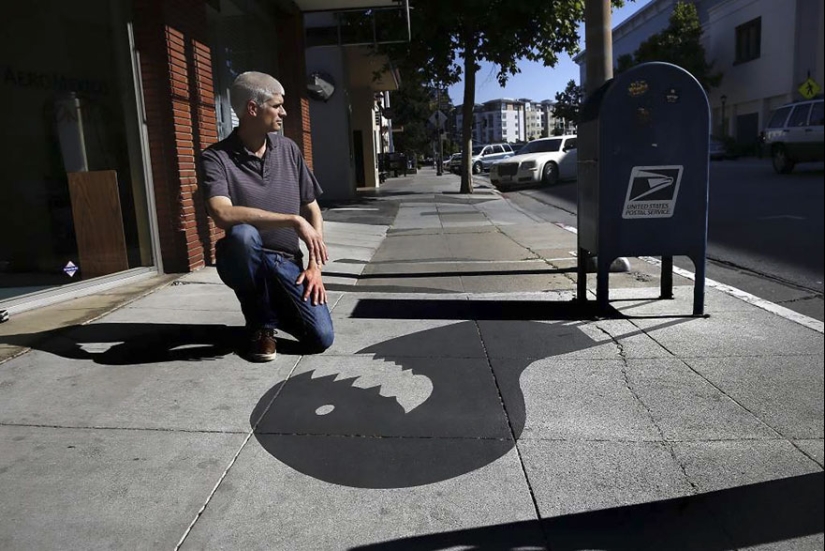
<point x="467" y="403"/>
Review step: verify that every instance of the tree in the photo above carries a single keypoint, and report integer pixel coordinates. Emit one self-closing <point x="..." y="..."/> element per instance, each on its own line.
<point x="413" y="103"/>
<point x="451" y="37"/>
<point x="568" y="103"/>
<point x="681" y="44"/>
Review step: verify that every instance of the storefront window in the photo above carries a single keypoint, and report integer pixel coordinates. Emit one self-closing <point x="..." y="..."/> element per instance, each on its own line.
<point x="243" y="39"/>
<point x="72" y="185"/>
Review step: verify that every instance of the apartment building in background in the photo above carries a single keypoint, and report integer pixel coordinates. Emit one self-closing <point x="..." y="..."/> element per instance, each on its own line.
<point x="511" y="120"/>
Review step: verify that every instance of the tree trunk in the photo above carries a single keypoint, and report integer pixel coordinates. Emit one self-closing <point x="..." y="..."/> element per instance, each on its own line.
<point x="467" y="111"/>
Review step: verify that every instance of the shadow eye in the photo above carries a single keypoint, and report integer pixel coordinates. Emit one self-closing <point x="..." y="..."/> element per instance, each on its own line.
<point x="324" y="410"/>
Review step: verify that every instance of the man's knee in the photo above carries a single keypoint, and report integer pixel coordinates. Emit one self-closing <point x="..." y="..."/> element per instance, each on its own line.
<point x="243" y="235"/>
<point x="321" y="340"/>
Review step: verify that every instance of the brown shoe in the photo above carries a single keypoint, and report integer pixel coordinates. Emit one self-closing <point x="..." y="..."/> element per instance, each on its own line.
<point x="262" y="345"/>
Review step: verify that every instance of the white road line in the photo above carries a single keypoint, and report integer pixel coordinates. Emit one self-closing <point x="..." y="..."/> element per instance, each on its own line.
<point x="774" y="308"/>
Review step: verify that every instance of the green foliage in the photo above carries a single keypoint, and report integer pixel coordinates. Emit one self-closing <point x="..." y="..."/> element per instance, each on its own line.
<point x="568" y="103"/>
<point x="413" y="104"/>
<point x="451" y="37"/>
<point x="680" y="43"/>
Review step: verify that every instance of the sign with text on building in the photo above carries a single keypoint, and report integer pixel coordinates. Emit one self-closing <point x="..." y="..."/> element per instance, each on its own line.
<point x="809" y="88"/>
<point x="652" y="191"/>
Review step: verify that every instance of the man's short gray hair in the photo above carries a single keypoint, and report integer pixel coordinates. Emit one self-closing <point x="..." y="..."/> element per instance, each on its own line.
<point x="258" y="87"/>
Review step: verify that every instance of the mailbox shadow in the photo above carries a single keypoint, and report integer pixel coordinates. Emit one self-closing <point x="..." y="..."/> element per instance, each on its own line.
<point x="736" y="518"/>
<point x="332" y="430"/>
<point x="141" y="343"/>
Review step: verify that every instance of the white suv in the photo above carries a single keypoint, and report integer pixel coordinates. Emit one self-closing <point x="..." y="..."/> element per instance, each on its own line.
<point x="483" y="157"/>
<point x="794" y="134"/>
<point x="544" y="161"/>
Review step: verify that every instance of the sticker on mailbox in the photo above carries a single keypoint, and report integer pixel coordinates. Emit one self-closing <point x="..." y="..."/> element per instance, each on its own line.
<point x="652" y="191"/>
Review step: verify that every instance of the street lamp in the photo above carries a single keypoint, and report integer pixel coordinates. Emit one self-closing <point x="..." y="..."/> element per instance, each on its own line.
<point x="724" y="98"/>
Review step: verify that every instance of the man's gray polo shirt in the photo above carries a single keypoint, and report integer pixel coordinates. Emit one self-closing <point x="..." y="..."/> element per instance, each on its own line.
<point x="278" y="182"/>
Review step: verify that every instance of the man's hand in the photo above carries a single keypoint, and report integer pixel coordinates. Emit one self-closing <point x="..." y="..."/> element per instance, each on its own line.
<point x="314" y="241"/>
<point x="313" y="284"/>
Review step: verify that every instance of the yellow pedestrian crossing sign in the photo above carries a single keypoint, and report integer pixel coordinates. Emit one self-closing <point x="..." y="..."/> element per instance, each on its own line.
<point x="809" y="88"/>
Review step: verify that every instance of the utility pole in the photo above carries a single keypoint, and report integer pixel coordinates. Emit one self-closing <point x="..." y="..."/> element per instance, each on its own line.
<point x="598" y="58"/>
<point x="598" y="44"/>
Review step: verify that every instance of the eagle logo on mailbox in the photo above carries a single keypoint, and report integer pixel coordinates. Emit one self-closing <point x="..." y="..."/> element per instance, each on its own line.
<point x="652" y="191"/>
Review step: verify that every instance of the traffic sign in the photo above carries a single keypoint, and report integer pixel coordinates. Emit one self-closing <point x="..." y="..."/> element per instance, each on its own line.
<point x="438" y="119"/>
<point x="809" y="88"/>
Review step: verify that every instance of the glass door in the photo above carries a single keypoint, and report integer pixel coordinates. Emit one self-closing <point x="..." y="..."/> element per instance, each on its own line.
<point x="72" y="184"/>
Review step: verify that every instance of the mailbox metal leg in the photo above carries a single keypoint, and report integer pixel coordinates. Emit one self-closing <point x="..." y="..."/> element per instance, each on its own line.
<point x="699" y="285"/>
<point x="602" y="282"/>
<point x="667" y="277"/>
<point x="581" y="276"/>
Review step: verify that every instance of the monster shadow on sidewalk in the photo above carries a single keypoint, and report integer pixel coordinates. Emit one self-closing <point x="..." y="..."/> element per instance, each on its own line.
<point x="329" y="428"/>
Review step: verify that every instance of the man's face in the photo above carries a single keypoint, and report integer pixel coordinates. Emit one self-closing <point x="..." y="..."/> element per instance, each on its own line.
<point x="271" y="113"/>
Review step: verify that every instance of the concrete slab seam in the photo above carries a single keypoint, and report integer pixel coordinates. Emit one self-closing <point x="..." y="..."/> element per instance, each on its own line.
<point x="130" y="429"/>
<point x="234" y="459"/>
<point x="662" y="439"/>
<point x="745" y="408"/>
<point x="512" y="434"/>
<point x="780" y="311"/>
<point x="718" y="388"/>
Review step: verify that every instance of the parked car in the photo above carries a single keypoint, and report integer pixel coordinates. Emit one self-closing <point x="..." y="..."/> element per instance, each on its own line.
<point x="545" y="161"/>
<point x="483" y="157"/>
<point x="720" y="150"/>
<point x="794" y="134"/>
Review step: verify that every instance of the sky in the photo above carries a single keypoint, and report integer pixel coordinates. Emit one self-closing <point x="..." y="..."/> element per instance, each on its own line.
<point x="535" y="81"/>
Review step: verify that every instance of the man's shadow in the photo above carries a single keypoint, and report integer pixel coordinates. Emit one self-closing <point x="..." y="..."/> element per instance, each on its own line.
<point x="328" y="428"/>
<point x="142" y="343"/>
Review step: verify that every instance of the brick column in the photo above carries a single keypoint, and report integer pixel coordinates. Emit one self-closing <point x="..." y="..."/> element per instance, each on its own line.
<point x="171" y="36"/>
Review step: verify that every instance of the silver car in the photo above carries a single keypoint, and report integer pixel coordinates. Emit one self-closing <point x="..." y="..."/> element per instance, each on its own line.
<point x="483" y="157"/>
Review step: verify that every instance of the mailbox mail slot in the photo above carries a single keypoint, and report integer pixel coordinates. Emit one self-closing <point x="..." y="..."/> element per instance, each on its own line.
<point x="643" y="175"/>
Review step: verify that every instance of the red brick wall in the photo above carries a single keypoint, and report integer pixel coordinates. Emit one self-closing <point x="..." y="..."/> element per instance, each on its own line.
<point x="171" y="36"/>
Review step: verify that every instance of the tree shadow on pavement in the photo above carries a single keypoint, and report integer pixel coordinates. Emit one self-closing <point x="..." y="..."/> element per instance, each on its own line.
<point x="735" y="518"/>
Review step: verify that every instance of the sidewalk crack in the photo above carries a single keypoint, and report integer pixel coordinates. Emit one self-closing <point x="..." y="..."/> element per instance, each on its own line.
<point x="233" y="460"/>
<point x="663" y="441"/>
<point x="513" y="435"/>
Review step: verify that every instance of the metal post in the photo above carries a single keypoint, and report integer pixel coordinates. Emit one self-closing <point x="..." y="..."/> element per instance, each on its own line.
<point x="724" y="99"/>
<point x="440" y="166"/>
<point x="598" y="42"/>
<point x="599" y="63"/>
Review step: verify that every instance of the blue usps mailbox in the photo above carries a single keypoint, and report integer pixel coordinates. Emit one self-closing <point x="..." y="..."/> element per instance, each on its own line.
<point x="643" y="175"/>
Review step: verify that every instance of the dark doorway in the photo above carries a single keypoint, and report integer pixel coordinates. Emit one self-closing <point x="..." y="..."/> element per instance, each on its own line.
<point x="747" y="129"/>
<point x="358" y="146"/>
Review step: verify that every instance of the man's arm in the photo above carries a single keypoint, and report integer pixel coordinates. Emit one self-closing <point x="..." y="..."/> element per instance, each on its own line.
<point x="226" y="215"/>
<point x="314" y="285"/>
<point x="311" y="212"/>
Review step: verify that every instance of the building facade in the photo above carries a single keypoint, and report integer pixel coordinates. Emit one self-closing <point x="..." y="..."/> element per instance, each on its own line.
<point x="113" y="102"/>
<point x="765" y="50"/>
<point x="509" y="120"/>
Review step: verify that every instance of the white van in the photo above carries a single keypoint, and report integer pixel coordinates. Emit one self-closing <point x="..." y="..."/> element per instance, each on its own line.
<point x="794" y="134"/>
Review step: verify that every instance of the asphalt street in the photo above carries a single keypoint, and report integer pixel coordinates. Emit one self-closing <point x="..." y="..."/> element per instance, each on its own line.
<point x="765" y="230"/>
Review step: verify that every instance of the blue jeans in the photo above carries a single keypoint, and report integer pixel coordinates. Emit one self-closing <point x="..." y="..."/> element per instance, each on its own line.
<point x="264" y="283"/>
